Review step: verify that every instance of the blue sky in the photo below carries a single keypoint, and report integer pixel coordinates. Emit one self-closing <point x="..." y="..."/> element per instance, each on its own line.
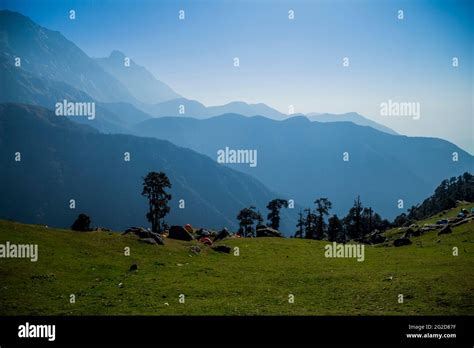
<point x="296" y="62"/>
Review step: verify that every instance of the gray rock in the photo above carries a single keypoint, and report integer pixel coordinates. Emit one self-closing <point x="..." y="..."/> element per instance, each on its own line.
<point x="224" y="233"/>
<point x="462" y="222"/>
<point x="146" y="235"/>
<point x="375" y="237"/>
<point x="445" y="230"/>
<point x="148" y="240"/>
<point x="410" y="232"/>
<point x="179" y="233"/>
<point x="134" y="230"/>
<point x="158" y="238"/>
<point x="401" y="241"/>
<point x="268" y="232"/>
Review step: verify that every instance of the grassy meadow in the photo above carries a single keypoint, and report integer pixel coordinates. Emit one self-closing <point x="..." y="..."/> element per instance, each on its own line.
<point x="93" y="267"/>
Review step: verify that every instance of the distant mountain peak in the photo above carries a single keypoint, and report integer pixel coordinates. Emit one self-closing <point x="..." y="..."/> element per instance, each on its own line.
<point x="47" y="54"/>
<point x="117" y="53"/>
<point x="117" y="56"/>
<point x="141" y="83"/>
<point x="196" y="109"/>
<point x="16" y="15"/>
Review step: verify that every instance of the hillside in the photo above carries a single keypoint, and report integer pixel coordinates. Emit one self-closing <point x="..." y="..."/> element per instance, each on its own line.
<point x="62" y="160"/>
<point x="353" y="117"/>
<point x="36" y="45"/>
<point x="71" y="74"/>
<point x="304" y="159"/>
<point x="137" y="79"/>
<point x="195" y="109"/>
<point x="92" y="265"/>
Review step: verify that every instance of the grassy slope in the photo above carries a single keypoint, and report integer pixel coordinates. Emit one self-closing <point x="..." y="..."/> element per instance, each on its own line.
<point x="91" y="265"/>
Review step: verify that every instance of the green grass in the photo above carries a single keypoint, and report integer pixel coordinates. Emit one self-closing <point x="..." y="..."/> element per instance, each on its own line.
<point x="258" y="282"/>
<point x="453" y="212"/>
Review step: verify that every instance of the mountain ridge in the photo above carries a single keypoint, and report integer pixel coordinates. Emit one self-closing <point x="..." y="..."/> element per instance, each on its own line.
<point x="34" y="45"/>
<point x="141" y="83"/>
<point x="286" y="146"/>
<point x="353" y="117"/>
<point x="102" y="80"/>
<point x="73" y="161"/>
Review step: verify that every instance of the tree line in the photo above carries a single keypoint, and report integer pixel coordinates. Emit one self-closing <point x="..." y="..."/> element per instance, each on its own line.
<point x="315" y="223"/>
<point x="358" y="222"/>
<point x="445" y="196"/>
<point x="312" y="224"/>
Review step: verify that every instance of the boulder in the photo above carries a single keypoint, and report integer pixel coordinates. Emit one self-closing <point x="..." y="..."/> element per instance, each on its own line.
<point x="462" y="222"/>
<point x="134" y="230"/>
<point x="203" y="233"/>
<point x="158" y="238"/>
<point x="430" y="227"/>
<point x="454" y="220"/>
<point x="179" y="233"/>
<point x="142" y="233"/>
<point x="222" y="249"/>
<point x="376" y="238"/>
<point x="445" y="230"/>
<point x="268" y="232"/>
<point x="101" y="229"/>
<point x="401" y="241"/>
<point x="146" y="235"/>
<point x="155" y="236"/>
<point x="411" y="233"/>
<point x="148" y="240"/>
<point x="224" y="233"/>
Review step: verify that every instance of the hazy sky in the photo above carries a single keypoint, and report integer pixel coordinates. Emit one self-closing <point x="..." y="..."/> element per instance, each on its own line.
<point x="293" y="62"/>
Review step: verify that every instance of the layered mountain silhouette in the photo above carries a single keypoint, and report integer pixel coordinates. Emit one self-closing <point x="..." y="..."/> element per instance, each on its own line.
<point x="305" y="160"/>
<point x="183" y="107"/>
<point x="48" y="54"/>
<point x="353" y="117"/>
<point x="137" y="79"/>
<point x="297" y="158"/>
<point x="48" y="57"/>
<point x="62" y="160"/>
<point x="23" y="87"/>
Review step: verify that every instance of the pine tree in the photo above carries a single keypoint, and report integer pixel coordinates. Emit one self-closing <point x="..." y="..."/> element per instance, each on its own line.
<point x="323" y="205"/>
<point x="154" y="185"/>
<point x="309" y="224"/>
<point x="246" y="218"/>
<point x="334" y="228"/>
<point x="445" y="196"/>
<point x="353" y="221"/>
<point x="300" y="226"/>
<point x="274" y="215"/>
